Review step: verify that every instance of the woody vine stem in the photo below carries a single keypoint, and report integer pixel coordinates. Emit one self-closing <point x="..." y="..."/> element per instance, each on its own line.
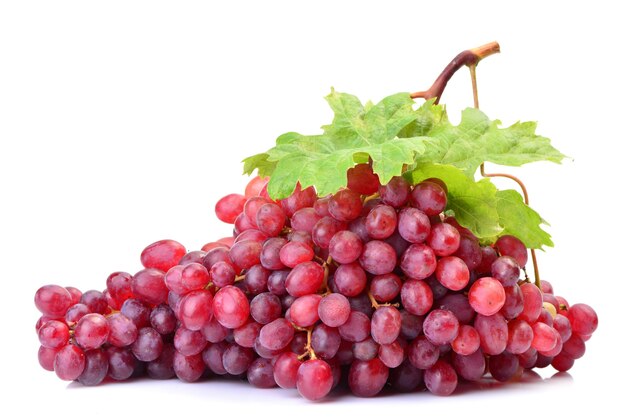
<point x="471" y="58"/>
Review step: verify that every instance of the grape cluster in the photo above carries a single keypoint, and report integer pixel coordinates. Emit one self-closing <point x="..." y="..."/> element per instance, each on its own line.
<point x="372" y="286"/>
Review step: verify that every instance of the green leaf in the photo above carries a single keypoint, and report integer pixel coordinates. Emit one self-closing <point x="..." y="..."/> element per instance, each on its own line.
<point x="356" y="134"/>
<point x="474" y="203"/>
<point x="520" y="220"/>
<point x="476" y="139"/>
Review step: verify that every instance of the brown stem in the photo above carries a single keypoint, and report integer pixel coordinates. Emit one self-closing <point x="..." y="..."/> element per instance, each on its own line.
<point x="470" y="57"/>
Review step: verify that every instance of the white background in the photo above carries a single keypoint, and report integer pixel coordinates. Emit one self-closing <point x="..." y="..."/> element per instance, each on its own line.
<point x="123" y="122"/>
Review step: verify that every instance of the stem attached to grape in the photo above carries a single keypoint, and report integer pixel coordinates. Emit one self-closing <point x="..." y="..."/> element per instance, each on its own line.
<point x="470" y="57"/>
<point x="308" y="350"/>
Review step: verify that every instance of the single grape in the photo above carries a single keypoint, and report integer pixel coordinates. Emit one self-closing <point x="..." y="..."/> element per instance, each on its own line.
<point x="520" y="336"/>
<point x="418" y="261"/>
<point x="188" y="368"/>
<point x="345" y="247"/>
<point x="261" y="373"/>
<point x="54" y="334"/>
<point x="563" y="326"/>
<point x="334" y="310"/>
<point x="416" y="296"/>
<point x="314" y="379"/>
<point x="452" y="273"/>
<point x="411" y="325"/>
<point x="325" y="229"/>
<point x="246" y="334"/>
<point x="350" y="279"/>
<point x="162" y="319"/>
<point x="429" y="197"/>
<point x="544" y="337"/>
<point x="487" y="258"/>
<point x="469" y="251"/>
<point x="441" y="379"/>
<point x="459" y="305"/>
<point x="148" y="345"/>
<point x="444" y="239"/>
<point x="386" y="287"/>
<point x="286" y="370"/>
<point x="229" y="207"/>
<point x="503" y="366"/>
<point x="122" y="330"/>
<point x="421" y="353"/>
<point x="254" y="187"/>
<point x="441" y="327"/>
<point x="467" y="340"/>
<point x="75" y="313"/>
<point x="381" y="221"/>
<point x="163" y="366"/>
<point x="270" y="254"/>
<point x="245" y="254"/>
<point x="583" y="319"/>
<point x="470" y="367"/>
<point x="395" y="192"/>
<point x="237" y="359"/>
<point x="213" y="357"/>
<point x="231" y="307"/>
<point x="149" y="285"/>
<point x="196" y="309"/>
<point x="162" y="255"/>
<point x="486" y="296"/>
<point x="493" y="332"/>
<point x="406" y="377"/>
<point x="265" y="308"/>
<point x="391" y="354"/>
<point x="304" y="310"/>
<point x="356" y="328"/>
<point x="367" y="378"/>
<point x="386" y="324"/>
<point x="121" y="363"/>
<point x="277" y="334"/>
<point x="137" y="311"/>
<point x="345" y="205"/>
<point x="305" y="278"/>
<point x="511" y="246"/>
<point x="53" y="300"/>
<point x="119" y="286"/>
<point x="255" y="280"/>
<point x="506" y="270"/>
<point x="325" y="341"/>
<point x="513" y="302"/>
<point x="305" y="219"/>
<point x="91" y="331"/>
<point x="69" y="362"/>
<point x="46" y="357"/>
<point x="533" y="302"/>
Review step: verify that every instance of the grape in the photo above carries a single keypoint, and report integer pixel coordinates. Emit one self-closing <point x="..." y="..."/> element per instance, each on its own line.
<point x="511" y="246"/>
<point x="358" y="228"/>
<point x="69" y="362"/>
<point x="196" y="256"/>
<point x="148" y="345"/>
<point x="255" y="186"/>
<point x="54" y="334"/>
<point x="237" y="359"/>
<point x="527" y="359"/>
<point x="137" y="312"/>
<point x="91" y="331"/>
<point x="416" y="296"/>
<point x="245" y="254"/>
<point x="486" y="296"/>
<point x="119" y="287"/>
<point x="247" y="334"/>
<point x="350" y="279"/>
<point x="411" y="326"/>
<point x="53" y="300"/>
<point x="294" y="253"/>
<point x="163" y="366"/>
<point x="121" y="363"/>
<point x="325" y="229"/>
<point x="365" y="350"/>
<point x="385" y="288"/>
<point x="251" y="207"/>
<point x="344" y="355"/>
<point x="444" y="239"/>
<point x="367" y="378"/>
<point x="265" y="308"/>
<point x="286" y="370"/>
<point x="391" y="354"/>
<point x="505" y="270"/>
<point x="378" y="258"/>
<point x="493" y="332"/>
<point x="333" y="310"/>
<point x="276" y="335"/>
<point x="162" y="319"/>
<point x="452" y="273"/>
<point x="162" y="255"/>
<point x="513" y="302"/>
<point x="270" y="255"/>
<point x="441" y="378"/>
<point x="520" y="336"/>
<point x="304" y="310"/>
<point x="503" y="366"/>
<point x="544" y="337"/>
<point x="583" y="319"/>
<point x="255" y="280"/>
<point x="95" y="301"/>
<point x="46" y="357"/>
<point x="469" y="251"/>
<point x="231" y="307"/>
<point x="314" y="379"/>
<point x="96" y="367"/>
<point x="321" y="206"/>
<point x="216" y="255"/>
<point x="574" y="347"/>
<point x="187" y="342"/>
<point x="429" y="197"/>
<point x="229" y="207"/>
<point x="470" y="367"/>
<point x="362" y="179"/>
<point x="305" y="219"/>
<point x="188" y="368"/>
<point x="418" y="261"/>
<point x="345" y="247"/>
<point x="406" y="377"/>
<point x="558" y="346"/>
<point x="395" y="192"/>
<point x="122" y="330"/>
<point x="212" y="357"/>
<point x="386" y="324"/>
<point x="459" y="305"/>
<point x="298" y="200"/>
<point x="362" y="303"/>
<point x="422" y="353"/>
<point x="487" y="258"/>
<point x="276" y="282"/>
<point x="194" y="276"/>
<point x="196" y="309"/>
<point x="356" y="328"/>
<point x="75" y="313"/>
<point x="325" y="341"/>
<point x="563" y="326"/>
<point x="345" y="205"/>
<point x="413" y="225"/>
<point x="149" y="285"/>
<point x="381" y="222"/>
<point x="467" y="340"/>
<point x="532" y="303"/>
<point x="75" y="294"/>
<point x="562" y="363"/>
<point x="441" y="327"/>
<point x="305" y="278"/>
<point x="261" y="373"/>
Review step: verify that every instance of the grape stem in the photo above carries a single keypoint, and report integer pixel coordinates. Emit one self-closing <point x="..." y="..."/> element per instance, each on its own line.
<point x="308" y="350"/>
<point x="376" y="305"/>
<point x="470" y="57"/>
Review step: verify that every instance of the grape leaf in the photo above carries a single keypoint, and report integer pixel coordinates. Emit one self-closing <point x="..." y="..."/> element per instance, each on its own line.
<point x="474" y="203"/>
<point x="520" y="220"/>
<point x="477" y="139"/>
<point x="356" y="134"/>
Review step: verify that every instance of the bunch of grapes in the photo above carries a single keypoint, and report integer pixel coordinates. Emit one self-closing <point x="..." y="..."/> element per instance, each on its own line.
<point x="373" y="286"/>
